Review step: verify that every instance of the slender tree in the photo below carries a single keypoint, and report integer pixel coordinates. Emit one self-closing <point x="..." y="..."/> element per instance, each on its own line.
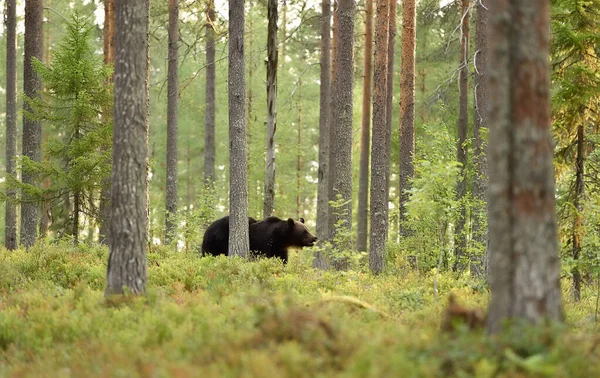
<point x="127" y="266"/>
<point x="10" y="218"/>
<point x="479" y="145"/>
<point x="390" y="89"/>
<point x="32" y="128"/>
<point x="365" y="133"/>
<point x="523" y="251"/>
<point x="324" y="111"/>
<point x="407" y="107"/>
<point x="109" y="58"/>
<point x="209" y="115"/>
<point x="238" y="169"/>
<point x="335" y="28"/>
<point x="379" y="202"/>
<point x="342" y="115"/>
<point x="172" y="104"/>
<point x="460" y="243"/>
<point x="269" y="201"/>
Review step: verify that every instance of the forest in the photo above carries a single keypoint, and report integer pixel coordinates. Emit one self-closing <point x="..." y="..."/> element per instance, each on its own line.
<point x="411" y="188"/>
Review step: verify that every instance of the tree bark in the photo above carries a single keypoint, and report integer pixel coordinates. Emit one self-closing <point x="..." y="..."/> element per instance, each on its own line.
<point x="172" y="124"/>
<point x="238" y="169"/>
<point x="380" y="160"/>
<point x="269" y="201"/>
<point x="480" y="234"/>
<point x="577" y="232"/>
<point x="407" y="108"/>
<point x="324" y="113"/>
<point x="32" y="129"/>
<point x="127" y="267"/>
<point x="10" y="217"/>
<point x="109" y="58"/>
<point x="209" y="116"/>
<point x="365" y="133"/>
<point x="333" y="92"/>
<point x="524" y="263"/>
<point x="390" y="96"/>
<point x="460" y="239"/>
<point x="343" y="115"/>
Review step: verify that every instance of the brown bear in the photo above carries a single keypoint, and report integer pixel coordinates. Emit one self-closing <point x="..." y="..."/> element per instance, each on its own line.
<point x="270" y="237"/>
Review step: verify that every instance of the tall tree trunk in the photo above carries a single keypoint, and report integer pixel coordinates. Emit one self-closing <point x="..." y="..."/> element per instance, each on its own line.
<point x="299" y="153"/>
<point x="365" y="133"/>
<point x="238" y="169"/>
<point x="46" y="206"/>
<point x="209" y="116"/>
<point x="343" y="116"/>
<point x="480" y="234"/>
<point x="109" y="58"/>
<point x="172" y="104"/>
<point x="333" y="92"/>
<point x="269" y="201"/>
<point x="460" y="239"/>
<point x="32" y="129"/>
<point x="380" y="160"/>
<point x="324" y="113"/>
<point x="524" y="263"/>
<point x="127" y="266"/>
<point x="10" y="217"/>
<point x="578" y="206"/>
<point x="390" y="96"/>
<point x="407" y="108"/>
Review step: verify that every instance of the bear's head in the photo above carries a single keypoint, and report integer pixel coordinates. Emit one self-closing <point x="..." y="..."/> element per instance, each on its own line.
<point x="299" y="236"/>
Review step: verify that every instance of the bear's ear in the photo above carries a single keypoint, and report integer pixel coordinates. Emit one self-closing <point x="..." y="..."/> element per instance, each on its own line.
<point x="301" y="220"/>
<point x="291" y="223"/>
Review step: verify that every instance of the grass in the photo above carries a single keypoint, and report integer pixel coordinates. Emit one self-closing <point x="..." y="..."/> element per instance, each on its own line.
<point x="220" y="317"/>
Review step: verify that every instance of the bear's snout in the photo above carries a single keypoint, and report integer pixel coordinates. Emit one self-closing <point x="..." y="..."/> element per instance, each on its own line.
<point x="311" y="241"/>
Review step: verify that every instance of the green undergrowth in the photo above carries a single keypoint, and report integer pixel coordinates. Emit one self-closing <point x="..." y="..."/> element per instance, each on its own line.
<point x="220" y="317"/>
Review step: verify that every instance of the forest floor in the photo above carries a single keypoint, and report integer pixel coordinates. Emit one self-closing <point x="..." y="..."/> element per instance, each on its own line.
<point x="220" y="317"/>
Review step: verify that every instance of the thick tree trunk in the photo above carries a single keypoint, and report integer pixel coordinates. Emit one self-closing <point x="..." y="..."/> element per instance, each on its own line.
<point x="324" y="112"/>
<point x="407" y="108"/>
<point x="333" y="92"/>
<point x="343" y="116"/>
<point x="480" y="234"/>
<point x="209" y="116"/>
<point x="578" y="206"/>
<point x="32" y="129"/>
<point x="460" y="239"/>
<point x="109" y="58"/>
<point x="365" y="133"/>
<point x="269" y="201"/>
<point x="524" y="264"/>
<point x="10" y="217"/>
<point x="172" y="104"/>
<point x="390" y="96"/>
<point x="129" y="224"/>
<point x="380" y="160"/>
<point x="238" y="169"/>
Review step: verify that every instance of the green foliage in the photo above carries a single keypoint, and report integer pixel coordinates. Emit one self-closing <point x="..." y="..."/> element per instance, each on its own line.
<point x="220" y="316"/>
<point x="76" y="106"/>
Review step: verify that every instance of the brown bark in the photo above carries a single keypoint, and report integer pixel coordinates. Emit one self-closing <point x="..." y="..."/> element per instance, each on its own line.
<point x="209" y="116"/>
<point x="407" y="108"/>
<point x="335" y="28"/>
<point x="365" y="133"/>
<point x="32" y="129"/>
<point x="127" y="267"/>
<point x="10" y="217"/>
<point x="238" y="169"/>
<point x="523" y="250"/>
<point x="343" y="115"/>
<point x="269" y="200"/>
<point x="480" y="234"/>
<point x="380" y="159"/>
<point x="390" y="93"/>
<point x="109" y="58"/>
<point x="324" y="114"/>
<point x="172" y="123"/>
<point x="460" y="239"/>
<point x="577" y="232"/>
